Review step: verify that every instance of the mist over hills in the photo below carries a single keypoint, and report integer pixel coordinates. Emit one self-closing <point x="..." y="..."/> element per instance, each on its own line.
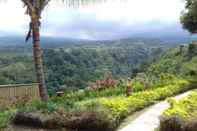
<point x="147" y="38"/>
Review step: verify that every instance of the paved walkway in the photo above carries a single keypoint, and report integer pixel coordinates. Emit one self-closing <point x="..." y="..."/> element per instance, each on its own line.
<point x="148" y="119"/>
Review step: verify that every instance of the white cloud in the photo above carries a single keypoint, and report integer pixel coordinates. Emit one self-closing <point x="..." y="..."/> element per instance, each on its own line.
<point x="129" y="12"/>
<point x="12" y="18"/>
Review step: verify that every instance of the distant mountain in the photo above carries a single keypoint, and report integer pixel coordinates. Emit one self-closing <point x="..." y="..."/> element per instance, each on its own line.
<point x="11" y="40"/>
<point x="167" y="39"/>
<point x="172" y="33"/>
<point x="20" y="40"/>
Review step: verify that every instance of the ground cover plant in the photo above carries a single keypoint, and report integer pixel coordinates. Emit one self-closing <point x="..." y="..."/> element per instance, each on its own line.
<point x="181" y="116"/>
<point x="105" y="112"/>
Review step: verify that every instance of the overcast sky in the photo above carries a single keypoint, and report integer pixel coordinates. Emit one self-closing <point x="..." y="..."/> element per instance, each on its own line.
<point x="103" y="21"/>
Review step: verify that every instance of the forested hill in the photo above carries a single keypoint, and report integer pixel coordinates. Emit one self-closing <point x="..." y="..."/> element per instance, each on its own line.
<point x="74" y="63"/>
<point x="50" y="42"/>
<point x="15" y="45"/>
<point x="180" y="62"/>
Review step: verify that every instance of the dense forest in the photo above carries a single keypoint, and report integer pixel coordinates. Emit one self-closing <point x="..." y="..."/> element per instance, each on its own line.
<point x="74" y="65"/>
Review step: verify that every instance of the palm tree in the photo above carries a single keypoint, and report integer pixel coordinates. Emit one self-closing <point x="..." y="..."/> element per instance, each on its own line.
<point x="34" y="9"/>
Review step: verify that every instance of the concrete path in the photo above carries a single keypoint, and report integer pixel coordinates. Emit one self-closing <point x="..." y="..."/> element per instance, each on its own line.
<point x="148" y="119"/>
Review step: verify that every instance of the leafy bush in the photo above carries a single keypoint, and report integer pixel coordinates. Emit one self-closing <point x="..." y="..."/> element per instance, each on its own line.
<point x="80" y="95"/>
<point x="184" y="108"/>
<point x="88" y="121"/>
<point x="140" y="83"/>
<point x="119" y="107"/>
<point x="113" y="108"/>
<point x="181" y="116"/>
<point x="172" y="123"/>
<point x="192" y="49"/>
<point x="5" y="118"/>
<point x="108" y="82"/>
<point x="36" y="119"/>
<point x="36" y="105"/>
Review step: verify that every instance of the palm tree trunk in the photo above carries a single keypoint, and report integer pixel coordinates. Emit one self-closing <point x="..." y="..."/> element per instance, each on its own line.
<point x="37" y="53"/>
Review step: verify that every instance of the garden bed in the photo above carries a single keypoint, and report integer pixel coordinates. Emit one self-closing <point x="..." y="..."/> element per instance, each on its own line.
<point x="94" y="114"/>
<point x="105" y="113"/>
<point x="181" y="116"/>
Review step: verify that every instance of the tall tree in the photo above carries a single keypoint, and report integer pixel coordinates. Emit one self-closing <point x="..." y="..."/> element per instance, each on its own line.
<point x="189" y="16"/>
<point x="34" y="9"/>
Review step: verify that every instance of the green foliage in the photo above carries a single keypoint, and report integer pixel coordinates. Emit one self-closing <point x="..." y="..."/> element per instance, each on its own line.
<point x="4" y="80"/>
<point x="5" y="118"/>
<point x="138" y="84"/>
<point x="37" y="105"/>
<point x="164" y="78"/>
<point x="185" y="108"/>
<point x="189" y="16"/>
<point x="13" y="70"/>
<point x="172" y="63"/>
<point x="78" y="66"/>
<point x="72" y="64"/>
<point x="115" y="106"/>
<point x="80" y="95"/>
<point x="181" y="115"/>
<point x="192" y="49"/>
<point x="119" y="107"/>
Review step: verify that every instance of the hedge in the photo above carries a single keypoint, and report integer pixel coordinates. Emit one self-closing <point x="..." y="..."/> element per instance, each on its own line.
<point x="120" y="107"/>
<point x="181" y="116"/>
<point x="108" y="111"/>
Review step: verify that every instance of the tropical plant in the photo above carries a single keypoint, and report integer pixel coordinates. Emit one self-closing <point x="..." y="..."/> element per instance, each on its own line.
<point x="108" y="82"/>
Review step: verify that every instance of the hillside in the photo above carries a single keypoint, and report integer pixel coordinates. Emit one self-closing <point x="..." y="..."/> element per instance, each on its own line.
<point x="180" y="61"/>
<point x="107" y="104"/>
<point x="74" y="63"/>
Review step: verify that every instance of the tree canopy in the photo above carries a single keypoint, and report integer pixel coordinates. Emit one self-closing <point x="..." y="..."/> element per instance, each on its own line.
<point x="189" y="16"/>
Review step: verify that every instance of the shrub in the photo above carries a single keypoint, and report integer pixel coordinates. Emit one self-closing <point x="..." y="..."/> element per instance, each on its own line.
<point x="192" y="50"/>
<point x="88" y="121"/>
<point x="119" y="107"/>
<point x="176" y="123"/>
<point x="5" y="118"/>
<point x="108" y="82"/>
<point x="37" y="105"/>
<point x="184" y="108"/>
<point x="99" y="113"/>
<point x="181" y="116"/>
<point x="36" y="119"/>
<point x="72" y="97"/>
<point x="172" y="123"/>
<point x="190" y="125"/>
